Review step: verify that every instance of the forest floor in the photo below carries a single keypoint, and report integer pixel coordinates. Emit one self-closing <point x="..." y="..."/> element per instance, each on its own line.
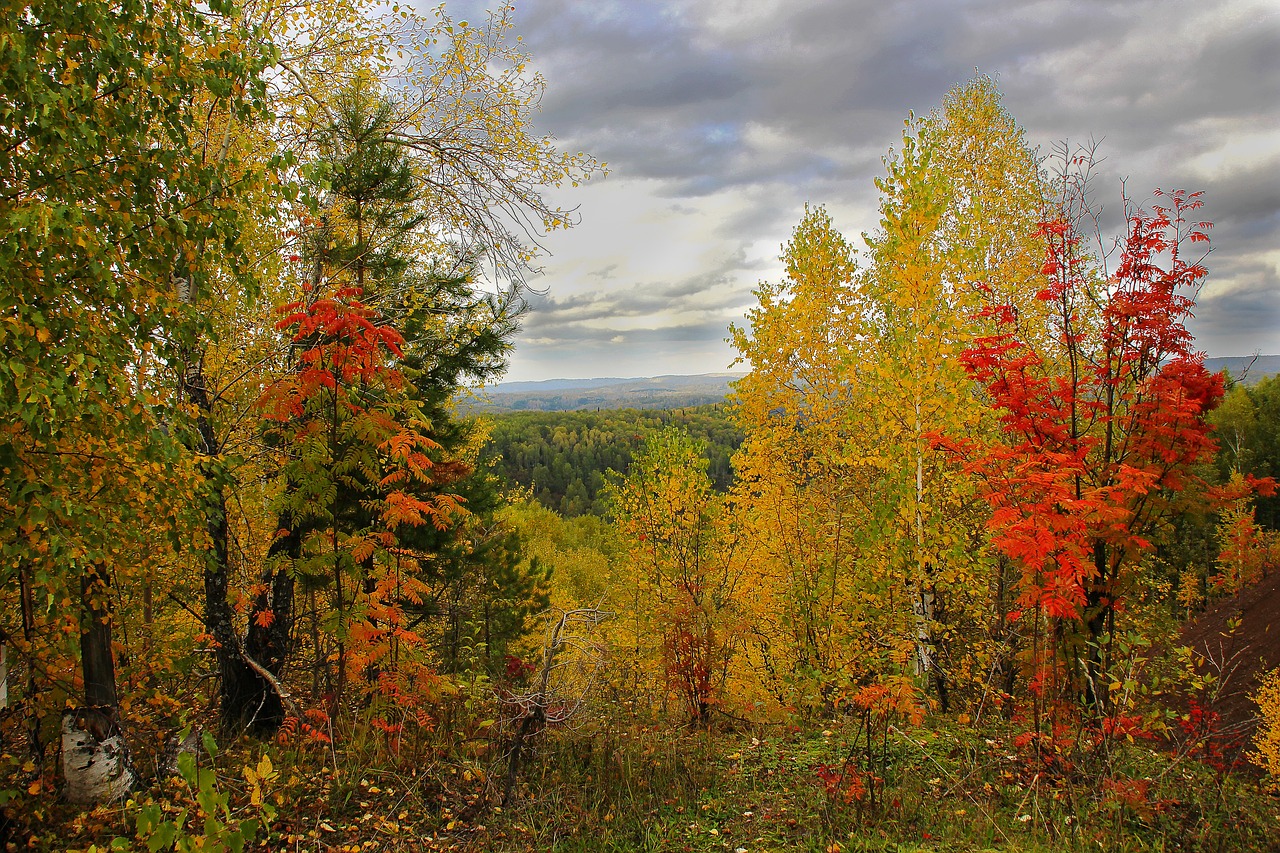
<point x="847" y="783"/>
<point x="932" y="788"/>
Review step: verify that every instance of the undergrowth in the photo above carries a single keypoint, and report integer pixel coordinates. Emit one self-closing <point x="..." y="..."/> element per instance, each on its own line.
<point x="611" y="785"/>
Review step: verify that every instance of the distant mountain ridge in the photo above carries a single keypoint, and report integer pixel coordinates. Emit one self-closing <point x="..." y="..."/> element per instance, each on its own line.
<point x="1247" y="369"/>
<point x="560" y="395"/>
<point x="677" y="391"/>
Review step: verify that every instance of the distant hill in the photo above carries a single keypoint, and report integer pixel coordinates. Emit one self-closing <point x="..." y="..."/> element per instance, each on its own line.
<point x="1248" y="369"/>
<point x="673" y="392"/>
<point x="563" y="395"/>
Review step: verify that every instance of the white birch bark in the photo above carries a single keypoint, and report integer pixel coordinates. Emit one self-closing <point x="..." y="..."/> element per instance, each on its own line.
<point x="95" y="758"/>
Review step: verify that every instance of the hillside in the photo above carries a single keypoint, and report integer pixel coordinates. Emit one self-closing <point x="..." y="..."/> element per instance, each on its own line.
<point x="1247" y="369"/>
<point x="1239" y="643"/>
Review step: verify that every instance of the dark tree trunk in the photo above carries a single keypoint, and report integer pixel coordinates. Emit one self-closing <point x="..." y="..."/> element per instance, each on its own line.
<point x="97" y="662"/>
<point x="944" y="693"/>
<point x="248" y="699"/>
<point x="1098" y="609"/>
<point x="95" y="755"/>
<point x="1006" y="667"/>
<point x="34" y="744"/>
<point x="269" y="640"/>
<point x="370" y="585"/>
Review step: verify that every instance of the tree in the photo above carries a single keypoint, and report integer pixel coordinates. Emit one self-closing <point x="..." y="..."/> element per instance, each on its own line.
<point x="357" y="243"/>
<point x="958" y="205"/>
<point x="1267" y="739"/>
<point x="855" y="371"/>
<point x="687" y="565"/>
<point x="238" y="352"/>
<point x="404" y="191"/>
<point x="801" y="488"/>
<point x="1247" y="426"/>
<point x="356" y="457"/>
<point x="1103" y="428"/>
<point x="918" y="331"/>
<point x="103" y="192"/>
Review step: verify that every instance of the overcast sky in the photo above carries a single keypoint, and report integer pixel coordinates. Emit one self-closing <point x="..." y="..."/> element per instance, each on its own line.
<point x="719" y="119"/>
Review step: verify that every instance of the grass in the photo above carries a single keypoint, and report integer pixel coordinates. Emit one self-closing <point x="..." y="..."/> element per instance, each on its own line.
<point x="762" y="791"/>
<point x="615" y="785"/>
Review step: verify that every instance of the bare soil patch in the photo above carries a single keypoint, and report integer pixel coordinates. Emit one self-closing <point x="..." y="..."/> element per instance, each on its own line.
<point x="1239" y="638"/>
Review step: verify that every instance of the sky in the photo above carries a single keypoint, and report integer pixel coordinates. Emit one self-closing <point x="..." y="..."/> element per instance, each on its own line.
<point x="720" y="119"/>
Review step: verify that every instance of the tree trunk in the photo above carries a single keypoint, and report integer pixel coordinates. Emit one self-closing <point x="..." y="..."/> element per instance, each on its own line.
<point x="247" y="698"/>
<point x="372" y="672"/>
<point x="148" y="620"/>
<point x="4" y="672"/>
<point x="922" y="592"/>
<point x="95" y="756"/>
<point x="34" y="744"/>
<point x="269" y="639"/>
<point x="1098" y="608"/>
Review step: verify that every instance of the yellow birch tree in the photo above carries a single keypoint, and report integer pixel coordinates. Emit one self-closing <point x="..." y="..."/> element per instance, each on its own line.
<point x="801" y="493"/>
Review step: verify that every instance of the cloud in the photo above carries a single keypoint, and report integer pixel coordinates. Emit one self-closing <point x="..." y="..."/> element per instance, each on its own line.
<point x="600" y="314"/>
<point x="604" y="273"/>
<point x="669" y="349"/>
<point x="719" y="121"/>
<point x="1242" y="317"/>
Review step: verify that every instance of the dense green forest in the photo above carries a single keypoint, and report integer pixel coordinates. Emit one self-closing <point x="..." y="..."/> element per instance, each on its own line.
<point x="978" y="556"/>
<point x="1248" y="432"/>
<point x="564" y="458"/>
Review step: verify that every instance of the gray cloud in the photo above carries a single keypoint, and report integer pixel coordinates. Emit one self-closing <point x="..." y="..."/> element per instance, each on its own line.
<point x="745" y="111"/>
<point x="1245" y="201"/>
<point x="594" y="314"/>
<point x="685" y="333"/>
<point x="604" y="273"/>
<point x="1243" y="319"/>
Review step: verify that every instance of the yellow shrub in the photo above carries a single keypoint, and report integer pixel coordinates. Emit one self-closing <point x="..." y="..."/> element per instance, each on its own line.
<point x="1267" y="741"/>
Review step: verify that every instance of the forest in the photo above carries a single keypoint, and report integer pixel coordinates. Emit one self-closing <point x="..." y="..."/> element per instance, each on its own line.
<point x="978" y="555"/>
<point x="564" y="458"/>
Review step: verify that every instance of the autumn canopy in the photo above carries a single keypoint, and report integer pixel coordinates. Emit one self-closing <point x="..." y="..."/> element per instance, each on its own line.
<point x="970" y="490"/>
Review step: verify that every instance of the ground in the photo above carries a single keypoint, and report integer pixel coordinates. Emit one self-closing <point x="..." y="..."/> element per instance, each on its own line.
<point x="1239" y="640"/>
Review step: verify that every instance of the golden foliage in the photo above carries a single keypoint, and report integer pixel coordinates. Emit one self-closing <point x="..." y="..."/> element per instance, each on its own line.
<point x="1267" y="741"/>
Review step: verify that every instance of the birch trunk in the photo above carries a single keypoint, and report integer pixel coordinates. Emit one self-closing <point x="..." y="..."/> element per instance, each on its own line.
<point x="95" y="757"/>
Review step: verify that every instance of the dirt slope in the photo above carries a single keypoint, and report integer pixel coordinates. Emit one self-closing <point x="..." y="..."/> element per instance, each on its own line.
<point x="1240" y="654"/>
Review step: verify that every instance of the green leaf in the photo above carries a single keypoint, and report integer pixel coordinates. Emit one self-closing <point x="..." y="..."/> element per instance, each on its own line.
<point x="210" y="745"/>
